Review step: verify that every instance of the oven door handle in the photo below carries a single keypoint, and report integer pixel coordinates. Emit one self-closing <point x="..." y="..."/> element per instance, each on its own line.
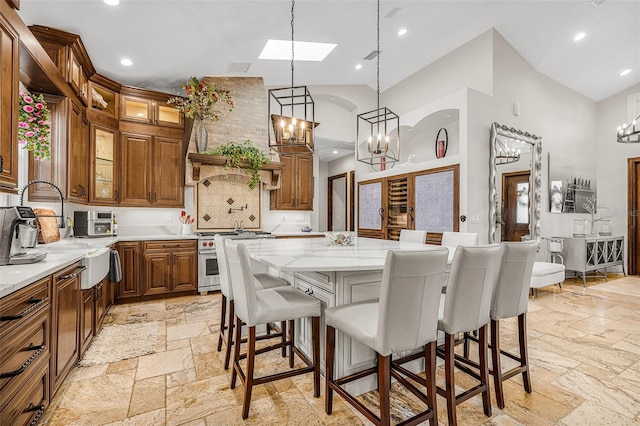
<point x="206" y="252"/>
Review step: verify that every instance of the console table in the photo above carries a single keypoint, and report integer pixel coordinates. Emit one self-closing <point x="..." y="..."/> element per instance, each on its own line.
<point x="593" y="253"/>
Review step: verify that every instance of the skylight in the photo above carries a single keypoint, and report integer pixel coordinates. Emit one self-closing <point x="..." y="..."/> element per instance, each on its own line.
<point x="303" y="50"/>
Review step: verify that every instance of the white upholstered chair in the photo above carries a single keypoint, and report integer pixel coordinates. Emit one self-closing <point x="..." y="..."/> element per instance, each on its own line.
<point x="266" y="306"/>
<point x="226" y="322"/>
<point x="404" y="318"/>
<point x="465" y="307"/>
<point x="413" y="236"/>
<point x="455" y="239"/>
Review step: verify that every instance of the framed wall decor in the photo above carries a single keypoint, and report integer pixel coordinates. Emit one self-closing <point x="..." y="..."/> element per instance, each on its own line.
<point x="442" y="143"/>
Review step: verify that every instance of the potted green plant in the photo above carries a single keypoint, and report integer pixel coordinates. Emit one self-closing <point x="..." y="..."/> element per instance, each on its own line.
<point x="199" y="103"/>
<point x="237" y="153"/>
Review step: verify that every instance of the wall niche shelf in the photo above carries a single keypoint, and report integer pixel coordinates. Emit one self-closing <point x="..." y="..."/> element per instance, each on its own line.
<point x="198" y="160"/>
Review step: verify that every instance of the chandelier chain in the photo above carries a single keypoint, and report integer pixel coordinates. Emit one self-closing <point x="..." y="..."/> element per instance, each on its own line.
<point x="378" y="56"/>
<point x="293" y="5"/>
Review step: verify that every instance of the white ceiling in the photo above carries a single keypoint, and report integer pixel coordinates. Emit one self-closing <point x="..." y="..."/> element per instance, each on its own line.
<point x="169" y="41"/>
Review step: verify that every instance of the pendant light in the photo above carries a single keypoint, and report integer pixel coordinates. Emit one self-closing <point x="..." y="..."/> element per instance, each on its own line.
<point x="629" y="133"/>
<point x="291" y="112"/>
<point x="378" y="131"/>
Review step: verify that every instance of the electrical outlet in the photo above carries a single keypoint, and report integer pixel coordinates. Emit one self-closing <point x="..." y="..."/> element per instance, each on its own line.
<point x="167" y="217"/>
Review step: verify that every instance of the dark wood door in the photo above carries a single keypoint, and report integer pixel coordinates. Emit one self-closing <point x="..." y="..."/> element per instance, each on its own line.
<point x="9" y="75"/>
<point x="66" y="325"/>
<point x="168" y="182"/>
<point x="78" y="155"/>
<point x="101" y="299"/>
<point x="136" y="170"/>
<point x="633" y="205"/>
<point x="515" y="205"/>
<point x="157" y="273"/>
<point x="86" y="319"/>
<point x="130" y="261"/>
<point x="185" y="271"/>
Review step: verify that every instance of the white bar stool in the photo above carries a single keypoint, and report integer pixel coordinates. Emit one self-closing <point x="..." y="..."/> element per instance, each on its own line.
<point x="404" y="318"/>
<point x="413" y="236"/>
<point x="263" y="307"/>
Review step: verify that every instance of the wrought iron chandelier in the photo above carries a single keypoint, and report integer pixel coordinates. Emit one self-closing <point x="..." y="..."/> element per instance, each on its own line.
<point x="293" y="133"/>
<point x="378" y="131"/>
<point x="629" y="133"/>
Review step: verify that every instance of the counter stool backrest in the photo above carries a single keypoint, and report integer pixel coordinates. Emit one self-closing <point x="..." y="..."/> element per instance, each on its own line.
<point x="454" y="239"/>
<point x="223" y="267"/>
<point x="412" y="236"/>
<point x="242" y="281"/>
<point x="409" y="299"/>
<point x="511" y="295"/>
<point x="473" y="276"/>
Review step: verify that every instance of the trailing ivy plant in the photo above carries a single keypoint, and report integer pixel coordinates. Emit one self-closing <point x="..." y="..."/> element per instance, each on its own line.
<point x="236" y="152"/>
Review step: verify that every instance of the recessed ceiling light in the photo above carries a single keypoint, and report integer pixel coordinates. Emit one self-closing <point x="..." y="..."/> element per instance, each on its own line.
<point x="402" y="31"/>
<point x="303" y="50"/>
<point x="112" y="2"/>
<point x="579" y="36"/>
<point x="334" y="151"/>
<point x="625" y="72"/>
<point x="359" y="66"/>
<point x="126" y="62"/>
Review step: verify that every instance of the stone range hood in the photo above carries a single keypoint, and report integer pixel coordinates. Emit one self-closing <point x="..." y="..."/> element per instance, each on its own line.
<point x="222" y="198"/>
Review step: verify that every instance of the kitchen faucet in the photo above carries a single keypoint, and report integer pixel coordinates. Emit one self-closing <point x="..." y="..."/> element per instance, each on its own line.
<point x="61" y="216"/>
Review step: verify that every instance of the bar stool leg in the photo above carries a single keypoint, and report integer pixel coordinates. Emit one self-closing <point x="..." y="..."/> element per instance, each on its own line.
<point x="248" y="383"/>
<point x="236" y="352"/>
<point x="430" y="373"/>
<point x="524" y="351"/>
<point x="315" y="336"/>
<point x="230" y="340"/>
<point x="283" y="338"/>
<point x="223" y="319"/>
<point x="484" y="370"/>
<point x="384" y="386"/>
<point x="496" y="364"/>
<point x="290" y="344"/>
<point x="450" y="390"/>
<point x="328" y="368"/>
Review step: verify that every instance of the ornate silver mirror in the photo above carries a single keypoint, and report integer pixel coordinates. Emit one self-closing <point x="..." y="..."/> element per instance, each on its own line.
<point x="514" y="154"/>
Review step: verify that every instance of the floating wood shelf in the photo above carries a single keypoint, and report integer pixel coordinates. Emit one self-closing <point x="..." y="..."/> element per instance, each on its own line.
<point x="197" y="160"/>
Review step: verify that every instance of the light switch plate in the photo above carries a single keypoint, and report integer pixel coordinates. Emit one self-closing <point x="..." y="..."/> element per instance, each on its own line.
<point x="474" y="218"/>
<point x="167" y="217"/>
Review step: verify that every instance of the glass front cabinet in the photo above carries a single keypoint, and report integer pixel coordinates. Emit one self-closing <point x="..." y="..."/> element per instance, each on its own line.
<point x="104" y="188"/>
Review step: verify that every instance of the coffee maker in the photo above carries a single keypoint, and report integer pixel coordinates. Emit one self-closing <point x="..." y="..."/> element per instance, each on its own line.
<point x="18" y="233"/>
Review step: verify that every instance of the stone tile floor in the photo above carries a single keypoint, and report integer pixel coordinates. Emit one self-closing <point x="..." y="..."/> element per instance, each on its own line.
<point x="584" y="353"/>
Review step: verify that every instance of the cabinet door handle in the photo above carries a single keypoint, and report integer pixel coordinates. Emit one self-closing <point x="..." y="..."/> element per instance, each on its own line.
<point x="155" y="197"/>
<point x="75" y="273"/>
<point x="149" y="196"/>
<point x="410" y="214"/>
<point x="24" y="366"/>
<point x="116" y="196"/>
<point x="34" y="304"/>
<point x="381" y="212"/>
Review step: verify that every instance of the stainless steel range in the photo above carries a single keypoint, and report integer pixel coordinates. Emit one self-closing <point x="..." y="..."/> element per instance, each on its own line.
<point x="208" y="272"/>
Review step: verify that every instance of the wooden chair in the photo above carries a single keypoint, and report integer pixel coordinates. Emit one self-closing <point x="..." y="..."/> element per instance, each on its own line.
<point x="404" y="318"/>
<point x="254" y="307"/>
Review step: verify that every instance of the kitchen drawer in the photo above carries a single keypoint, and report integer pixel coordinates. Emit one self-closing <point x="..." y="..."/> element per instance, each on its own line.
<point x="20" y="351"/>
<point x="30" y="401"/>
<point x="324" y="280"/>
<point x="17" y="308"/>
<point x="174" y="245"/>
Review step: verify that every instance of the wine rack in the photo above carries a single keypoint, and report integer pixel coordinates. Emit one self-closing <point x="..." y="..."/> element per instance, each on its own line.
<point x="397" y="201"/>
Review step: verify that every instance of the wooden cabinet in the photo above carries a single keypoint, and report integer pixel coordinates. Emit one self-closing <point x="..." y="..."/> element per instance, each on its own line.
<point x="152" y="171"/>
<point x="148" y="107"/>
<point x="296" y="184"/>
<point x="65" y="323"/>
<point x="102" y="302"/>
<point x="104" y="98"/>
<point x="588" y="254"/>
<point x="130" y="262"/>
<point x="78" y="156"/>
<point x="9" y="77"/>
<point x="54" y="171"/>
<point x="426" y="200"/>
<point x="170" y="267"/>
<point x="87" y="326"/>
<point x="24" y="353"/>
<point x="103" y="187"/>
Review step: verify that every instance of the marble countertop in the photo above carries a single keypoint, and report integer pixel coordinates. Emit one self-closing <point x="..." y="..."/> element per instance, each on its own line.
<point x="296" y="233"/>
<point x="315" y="254"/>
<point x="63" y="253"/>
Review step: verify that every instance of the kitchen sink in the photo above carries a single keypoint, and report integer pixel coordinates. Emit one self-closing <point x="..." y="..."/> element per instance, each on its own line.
<point x="68" y="245"/>
<point x="97" y="263"/>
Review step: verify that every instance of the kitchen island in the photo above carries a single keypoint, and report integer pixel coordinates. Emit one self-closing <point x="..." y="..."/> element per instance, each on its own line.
<point x="336" y="275"/>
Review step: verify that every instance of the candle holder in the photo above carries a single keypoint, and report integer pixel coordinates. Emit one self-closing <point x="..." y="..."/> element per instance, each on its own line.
<point x="579" y="228"/>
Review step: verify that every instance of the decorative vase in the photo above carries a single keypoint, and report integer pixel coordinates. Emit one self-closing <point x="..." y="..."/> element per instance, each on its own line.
<point x="186" y="229"/>
<point x="201" y="137"/>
